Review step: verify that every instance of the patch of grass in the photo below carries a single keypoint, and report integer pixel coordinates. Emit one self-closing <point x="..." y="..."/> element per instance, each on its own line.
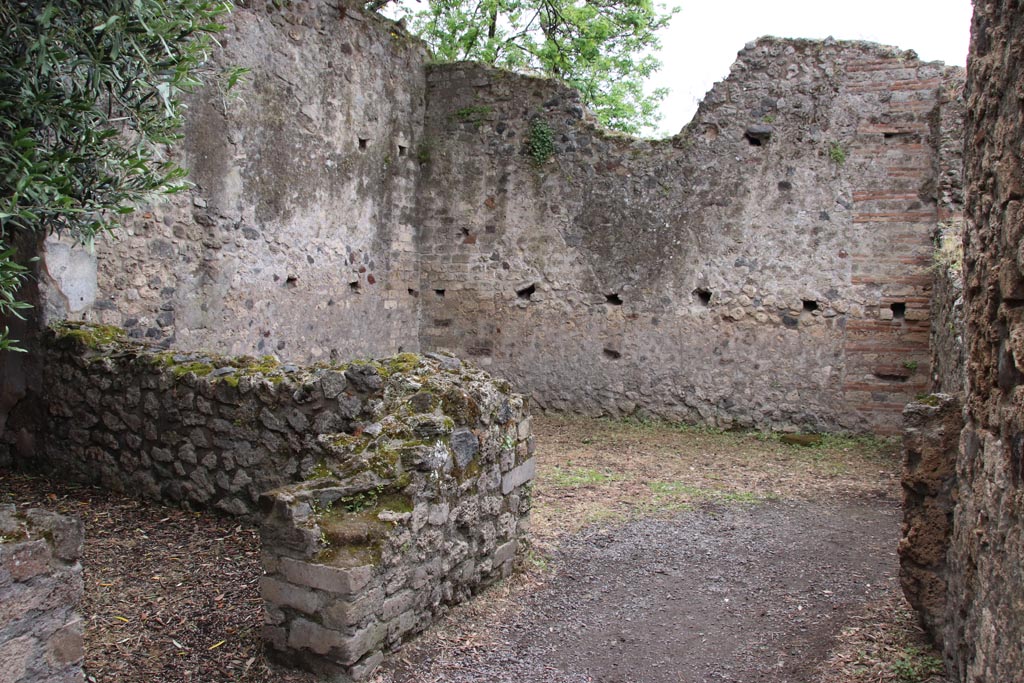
<point x="576" y="477"/>
<point x="600" y="514"/>
<point x="473" y="114"/>
<point x="668" y="493"/>
<point x="604" y="470"/>
<point x="676" y="489"/>
<point x="916" y="665"/>
<point x="537" y="561"/>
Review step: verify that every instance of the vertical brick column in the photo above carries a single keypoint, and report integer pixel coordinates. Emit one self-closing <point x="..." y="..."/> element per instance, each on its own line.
<point x="895" y="214"/>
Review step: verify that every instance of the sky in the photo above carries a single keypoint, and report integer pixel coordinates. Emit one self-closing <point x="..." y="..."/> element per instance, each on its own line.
<point x="702" y="41"/>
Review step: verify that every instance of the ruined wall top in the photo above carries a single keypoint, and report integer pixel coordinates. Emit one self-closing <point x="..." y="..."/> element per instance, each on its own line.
<point x="769" y="266"/>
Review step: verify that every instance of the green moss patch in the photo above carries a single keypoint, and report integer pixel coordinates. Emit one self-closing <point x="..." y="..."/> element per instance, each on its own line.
<point x="90" y="335"/>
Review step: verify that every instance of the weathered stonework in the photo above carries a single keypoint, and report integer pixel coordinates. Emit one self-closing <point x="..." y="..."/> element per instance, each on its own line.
<point x="401" y="485"/>
<point x="298" y="238"/>
<point x="767" y="267"/>
<point x="947" y="336"/>
<point x="209" y="430"/>
<point x="409" y="516"/>
<point x="931" y="439"/>
<point x="984" y="639"/>
<point x="947" y="307"/>
<point x="40" y="589"/>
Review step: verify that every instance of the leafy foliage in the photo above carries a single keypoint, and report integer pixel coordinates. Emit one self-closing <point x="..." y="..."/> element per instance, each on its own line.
<point x="837" y="153"/>
<point x="600" y="47"/>
<point x="89" y="94"/>
<point x="541" y="143"/>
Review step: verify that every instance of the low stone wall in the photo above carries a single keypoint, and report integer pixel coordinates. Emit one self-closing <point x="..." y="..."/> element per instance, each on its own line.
<point x="414" y="512"/>
<point x="40" y="588"/>
<point x="208" y="430"/>
<point x="931" y="440"/>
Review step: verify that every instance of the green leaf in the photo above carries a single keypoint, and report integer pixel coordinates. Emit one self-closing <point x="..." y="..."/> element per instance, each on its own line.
<point x="73" y="76"/>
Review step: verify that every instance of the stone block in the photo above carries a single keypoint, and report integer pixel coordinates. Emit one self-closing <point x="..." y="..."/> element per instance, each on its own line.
<point x="307" y="635"/>
<point x="366" y="666"/>
<point x="505" y="552"/>
<point x="401" y="625"/>
<point x="66" y="647"/>
<point x="397" y="604"/>
<point x="326" y="578"/>
<point x="15" y="656"/>
<point x="26" y="559"/>
<point x="438" y="514"/>
<point x="351" y="612"/>
<point x="518" y="476"/>
<point x="365" y="640"/>
<point x="284" y="594"/>
<point x="524" y="429"/>
<point x="465" y="446"/>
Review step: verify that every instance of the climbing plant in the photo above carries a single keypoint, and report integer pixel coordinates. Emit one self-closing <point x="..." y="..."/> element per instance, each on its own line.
<point x="541" y="143"/>
<point x="89" y="96"/>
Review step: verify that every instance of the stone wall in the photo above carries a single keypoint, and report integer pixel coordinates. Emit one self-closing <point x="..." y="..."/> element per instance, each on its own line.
<point x="947" y="342"/>
<point x="298" y="237"/>
<point x="40" y="589"/>
<point x="408" y="519"/>
<point x="768" y="267"/>
<point x="203" y="429"/>
<point x="984" y="640"/>
<point x="400" y="485"/>
<point x="947" y="335"/>
<point x="931" y="439"/>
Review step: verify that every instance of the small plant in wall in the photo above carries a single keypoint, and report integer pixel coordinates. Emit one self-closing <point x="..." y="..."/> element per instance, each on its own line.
<point x="474" y="114"/>
<point x="425" y="151"/>
<point x="540" y="144"/>
<point x="837" y="153"/>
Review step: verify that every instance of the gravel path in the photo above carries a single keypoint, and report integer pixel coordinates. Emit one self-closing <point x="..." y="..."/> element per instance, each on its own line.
<point x="738" y="594"/>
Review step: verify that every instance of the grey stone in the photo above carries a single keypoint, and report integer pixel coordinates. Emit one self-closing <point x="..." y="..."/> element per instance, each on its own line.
<point x="272" y="421"/>
<point x="333" y="384"/>
<point x="397" y="604"/>
<point x="284" y="594"/>
<point x="447" y="362"/>
<point x="465" y="445"/>
<point x="345" y="613"/>
<point x="364" y="378"/>
<point x="326" y="578"/>
<point x="518" y="476"/>
<point x="505" y="552"/>
<point x="760" y="131"/>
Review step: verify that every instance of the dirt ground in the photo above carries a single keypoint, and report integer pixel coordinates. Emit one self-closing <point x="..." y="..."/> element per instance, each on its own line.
<point x="661" y="555"/>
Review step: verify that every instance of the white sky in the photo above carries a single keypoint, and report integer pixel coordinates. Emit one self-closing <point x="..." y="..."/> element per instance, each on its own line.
<point x="704" y="37"/>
